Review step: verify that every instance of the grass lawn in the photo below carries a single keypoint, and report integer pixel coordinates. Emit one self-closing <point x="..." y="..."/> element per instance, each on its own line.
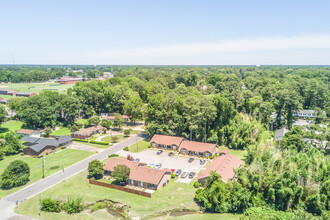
<point x="94" y="145"/>
<point x="138" y="147"/>
<point x="225" y="216"/>
<point x="83" y="121"/>
<point x="37" y="87"/>
<point x="237" y="153"/>
<point x="62" y="132"/>
<point x="12" y="126"/>
<point x="120" y="138"/>
<point x="53" y="164"/>
<point x="172" y="196"/>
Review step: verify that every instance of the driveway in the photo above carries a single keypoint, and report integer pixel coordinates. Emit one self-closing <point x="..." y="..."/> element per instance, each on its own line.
<point x="175" y="162"/>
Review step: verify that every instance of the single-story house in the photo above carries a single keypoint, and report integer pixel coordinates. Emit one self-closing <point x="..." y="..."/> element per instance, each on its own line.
<point x="279" y="134"/>
<point x="36" y="146"/>
<point x="69" y="80"/>
<point x="87" y="132"/>
<point x="111" y="117"/>
<point x="195" y="148"/>
<point x="25" y="94"/>
<point x="140" y="175"/>
<point x="6" y="91"/>
<point x="3" y="101"/>
<point x="166" y="142"/>
<point x="29" y="133"/>
<point x="223" y="165"/>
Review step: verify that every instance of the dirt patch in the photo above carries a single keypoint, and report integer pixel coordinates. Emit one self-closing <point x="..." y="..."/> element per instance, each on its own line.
<point x="114" y="208"/>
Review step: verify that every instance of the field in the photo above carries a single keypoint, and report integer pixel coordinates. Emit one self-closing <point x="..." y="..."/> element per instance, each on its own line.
<point x="12" y="126"/>
<point x="138" y="147"/>
<point x="108" y="138"/>
<point x="53" y="164"/>
<point x="237" y="153"/>
<point x="36" y="87"/>
<point x="62" y="132"/>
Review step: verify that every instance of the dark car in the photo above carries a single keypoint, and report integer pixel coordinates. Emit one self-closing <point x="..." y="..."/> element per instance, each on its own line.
<point x="202" y="162"/>
<point x="178" y="172"/>
<point x="170" y="154"/>
<point x="191" y="160"/>
<point x="159" y="152"/>
<point x="137" y="159"/>
<point x="191" y="175"/>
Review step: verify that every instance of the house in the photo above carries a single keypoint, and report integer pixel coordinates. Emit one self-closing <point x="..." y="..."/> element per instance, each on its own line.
<point x="29" y="133"/>
<point x="223" y="165"/>
<point x="3" y="101"/>
<point x="69" y="80"/>
<point x="306" y="113"/>
<point x="140" y="175"/>
<point x="111" y="117"/>
<point x="25" y="94"/>
<point x="279" y="134"/>
<point x="87" y="132"/>
<point x="195" y="148"/>
<point x="6" y="91"/>
<point x="37" y="146"/>
<point x="166" y="142"/>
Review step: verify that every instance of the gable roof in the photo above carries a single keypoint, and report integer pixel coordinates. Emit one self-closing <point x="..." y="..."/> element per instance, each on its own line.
<point x="26" y="131"/>
<point x="166" y="140"/>
<point x="25" y="93"/>
<point x="89" y="131"/>
<point x="113" y="162"/>
<point x="198" y="146"/>
<point x="37" y="144"/>
<point x="280" y="133"/>
<point x="222" y="165"/>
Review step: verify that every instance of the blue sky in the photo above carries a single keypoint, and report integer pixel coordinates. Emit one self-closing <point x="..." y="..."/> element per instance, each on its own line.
<point x="165" y="32"/>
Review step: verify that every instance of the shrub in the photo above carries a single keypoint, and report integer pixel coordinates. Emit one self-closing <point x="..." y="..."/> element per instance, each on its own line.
<point x="81" y="140"/>
<point x="40" y="156"/>
<point x="97" y="206"/>
<point x="127" y="132"/>
<point x="63" y="147"/>
<point x="46" y="153"/>
<point x="211" y="157"/>
<point x="115" y="139"/>
<point x="16" y="174"/>
<point x="99" y="142"/>
<point x="113" y="155"/>
<point x="73" y="205"/>
<point x="50" y="205"/>
<point x="22" y="154"/>
<point x="34" y="156"/>
<point x="172" y="175"/>
<point x="149" y="146"/>
<point x="196" y="184"/>
<point x="126" y="149"/>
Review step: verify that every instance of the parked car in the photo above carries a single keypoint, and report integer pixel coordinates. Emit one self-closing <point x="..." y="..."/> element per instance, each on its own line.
<point x="191" y="175"/>
<point x="152" y="165"/>
<point x="202" y="162"/>
<point x="159" y="152"/>
<point x="122" y="183"/>
<point x="172" y="170"/>
<point x="184" y="175"/>
<point x="158" y="166"/>
<point x="137" y="159"/>
<point x="191" y="160"/>
<point x="178" y="172"/>
<point x="170" y="154"/>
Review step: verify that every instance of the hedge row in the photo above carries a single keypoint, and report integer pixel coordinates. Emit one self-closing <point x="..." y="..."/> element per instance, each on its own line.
<point x="99" y="142"/>
<point x="81" y="140"/>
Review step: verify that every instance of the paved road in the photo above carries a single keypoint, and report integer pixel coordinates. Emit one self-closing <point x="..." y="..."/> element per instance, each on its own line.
<point x="7" y="204"/>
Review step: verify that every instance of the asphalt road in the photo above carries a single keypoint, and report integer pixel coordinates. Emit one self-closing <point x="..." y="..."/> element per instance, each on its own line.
<point x="8" y="203"/>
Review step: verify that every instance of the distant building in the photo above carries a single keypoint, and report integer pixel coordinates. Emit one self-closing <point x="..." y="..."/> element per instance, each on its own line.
<point x="3" y="101"/>
<point x="37" y="146"/>
<point x="223" y="165"/>
<point x="306" y="113"/>
<point x="69" y="80"/>
<point x="25" y="94"/>
<point x="87" y="132"/>
<point x="28" y="133"/>
<point x="279" y="134"/>
<point x="111" y="117"/>
<point x="166" y="142"/>
<point x="6" y="91"/>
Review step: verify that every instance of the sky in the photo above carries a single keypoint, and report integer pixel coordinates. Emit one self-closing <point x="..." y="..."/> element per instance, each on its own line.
<point x="165" y="32"/>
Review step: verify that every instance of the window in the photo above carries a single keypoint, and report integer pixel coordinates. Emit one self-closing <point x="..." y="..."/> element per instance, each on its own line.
<point x="131" y="182"/>
<point x="207" y="154"/>
<point x="141" y="183"/>
<point x="153" y="144"/>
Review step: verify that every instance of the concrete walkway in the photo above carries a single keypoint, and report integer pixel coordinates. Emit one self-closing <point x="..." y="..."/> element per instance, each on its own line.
<point x="8" y="203"/>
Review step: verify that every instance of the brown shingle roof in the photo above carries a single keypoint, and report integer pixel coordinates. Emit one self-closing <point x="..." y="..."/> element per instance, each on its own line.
<point x="89" y="131"/>
<point x="113" y="162"/>
<point x="223" y="166"/>
<point x="198" y="146"/>
<point x="166" y="140"/>
<point x="26" y="131"/>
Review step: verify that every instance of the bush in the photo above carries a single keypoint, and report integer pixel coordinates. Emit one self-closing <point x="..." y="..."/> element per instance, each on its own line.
<point x="95" y="168"/>
<point x="46" y="153"/>
<point x="81" y="140"/>
<point x="149" y="145"/>
<point x="16" y="174"/>
<point x="127" y="132"/>
<point x="172" y="175"/>
<point x="50" y="205"/>
<point x="212" y="157"/>
<point x="63" y="147"/>
<point x="113" y="155"/>
<point x="196" y="184"/>
<point x="115" y="139"/>
<point x="73" y="205"/>
<point x="99" y="142"/>
<point x="22" y="154"/>
<point x="126" y="149"/>
<point x="40" y="156"/>
<point x="97" y="206"/>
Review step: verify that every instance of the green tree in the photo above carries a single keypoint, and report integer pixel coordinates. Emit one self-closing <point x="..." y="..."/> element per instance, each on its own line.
<point x="3" y="113"/>
<point x="106" y="123"/>
<point x="134" y="107"/>
<point x="121" y="173"/>
<point x="118" y="121"/>
<point x="95" y="169"/>
<point x="94" y="120"/>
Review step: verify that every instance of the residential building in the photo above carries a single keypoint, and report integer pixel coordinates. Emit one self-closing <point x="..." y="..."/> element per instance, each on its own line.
<point x="195" y="148"/>
<point x="140" y="175"/>
<point x="279" y="134"/>
<point x="223" y="165"/>
<point x="166" y="142"/>
<point x="29" y="133"/>
<point x="6" y="91"/>
<point x="111" y="117"/>
<point x="69" y="80"/>
<point x="37" y="146"/>
<point x="306" y="113"/>
<point x="25" y="94"/>
<point x="3" y="101"/>
<point x="87" y="132"/>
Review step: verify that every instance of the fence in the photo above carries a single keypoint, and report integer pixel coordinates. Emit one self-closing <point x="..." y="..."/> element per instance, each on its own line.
<point x="108" y="185"/>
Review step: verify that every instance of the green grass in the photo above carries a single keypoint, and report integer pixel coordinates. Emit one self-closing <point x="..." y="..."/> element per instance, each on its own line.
<point x="37" y="87"/>
<point x="108" y="138"/>
<point x="225" y="216"/>
<point x="83" y="121"/>
<point x="62" y="132"/>
<point x="94" y="145"/>
<point x="237" y="153"/>
<point x="53" y="164"/>
<point x="138" y="147"/>
<point x="12" y="126"/>
<point x="172" y="196"/>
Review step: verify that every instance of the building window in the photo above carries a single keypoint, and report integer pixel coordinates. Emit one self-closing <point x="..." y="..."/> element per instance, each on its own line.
<point x="141" y="183"/>
<point x="153" y="144"/>
<point x="207" y="154"/>
<point x="131" y="182"/>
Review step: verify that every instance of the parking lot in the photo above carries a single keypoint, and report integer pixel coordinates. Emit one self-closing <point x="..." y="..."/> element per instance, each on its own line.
<point x="175" y="162"/>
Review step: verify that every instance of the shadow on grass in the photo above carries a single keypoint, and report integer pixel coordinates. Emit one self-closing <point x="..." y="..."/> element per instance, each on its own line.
<point x="4" y="130"/>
